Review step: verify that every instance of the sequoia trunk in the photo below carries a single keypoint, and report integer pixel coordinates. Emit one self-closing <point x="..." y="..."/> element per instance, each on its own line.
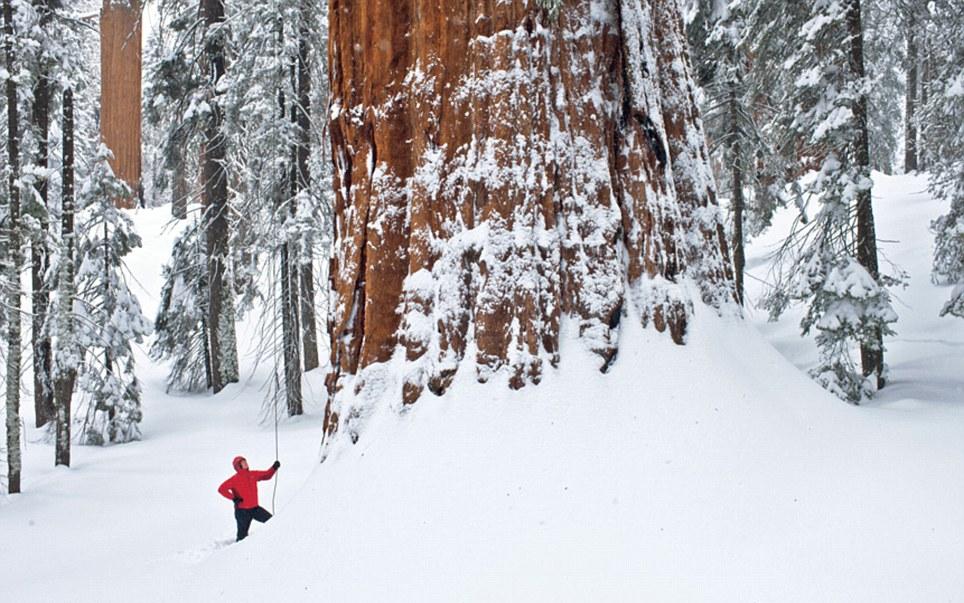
<point x="499" y="167"/>
<point x="120" y="30"/>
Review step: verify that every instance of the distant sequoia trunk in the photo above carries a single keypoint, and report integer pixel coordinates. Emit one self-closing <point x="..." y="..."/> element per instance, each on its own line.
<point x="120" y="48"/>
<point x="500" y="166"/>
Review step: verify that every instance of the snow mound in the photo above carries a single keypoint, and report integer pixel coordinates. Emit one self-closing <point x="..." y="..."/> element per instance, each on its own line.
<point x="715" y="471"/>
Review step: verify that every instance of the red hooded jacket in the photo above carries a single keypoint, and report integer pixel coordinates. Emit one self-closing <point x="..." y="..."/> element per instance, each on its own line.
<point x="244" y="484"/>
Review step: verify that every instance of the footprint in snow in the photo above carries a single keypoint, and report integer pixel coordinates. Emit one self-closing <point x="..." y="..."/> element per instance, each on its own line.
<point x="200" y="554"/>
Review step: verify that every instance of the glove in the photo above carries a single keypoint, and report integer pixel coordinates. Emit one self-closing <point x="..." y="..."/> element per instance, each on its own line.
<point x="276" y="465"/>
<point x="238" y="500"/>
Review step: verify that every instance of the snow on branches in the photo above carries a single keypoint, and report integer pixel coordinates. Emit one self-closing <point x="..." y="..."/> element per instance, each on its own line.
<point x="108" y="316"/>
<point x="830" y="263"/>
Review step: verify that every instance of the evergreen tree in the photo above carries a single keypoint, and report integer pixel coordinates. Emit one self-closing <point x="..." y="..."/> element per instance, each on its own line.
<point x="735" y="61"/>
<point x="277" y="209"/>
<point x="943" y="115"/>
<point x="181" y="324"/>
<point x="109" y="316"/>
<point x="886" y="62"/>
<point x="831" y="263"/>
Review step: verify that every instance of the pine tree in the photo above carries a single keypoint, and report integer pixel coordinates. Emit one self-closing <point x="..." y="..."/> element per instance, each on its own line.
<point x="943" y="115"/>
<point x="912" y="18"/>
<point x="885" y="73"/>
<point x="831" y="263"/>
<point x="181" y="325"/>
<point x="172" y="107"/>
<point x="110" y="318"/>
<point x="277" y="199"/>
<point x="94" y="316"/>
<point x="735" y="57"/>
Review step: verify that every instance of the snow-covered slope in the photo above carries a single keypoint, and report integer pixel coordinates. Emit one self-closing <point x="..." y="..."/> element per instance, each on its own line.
<point x="926" y="357"/>
<point x="717" y="471"/>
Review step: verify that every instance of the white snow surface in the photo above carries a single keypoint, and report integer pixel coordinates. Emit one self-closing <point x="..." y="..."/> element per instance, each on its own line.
<point x="717" y="471"/>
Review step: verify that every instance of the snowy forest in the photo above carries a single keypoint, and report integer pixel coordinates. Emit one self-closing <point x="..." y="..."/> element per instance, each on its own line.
<point x="510" y="299"/>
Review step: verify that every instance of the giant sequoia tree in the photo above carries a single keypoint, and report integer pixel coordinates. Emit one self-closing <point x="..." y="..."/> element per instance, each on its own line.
<point x="501" y="167"/>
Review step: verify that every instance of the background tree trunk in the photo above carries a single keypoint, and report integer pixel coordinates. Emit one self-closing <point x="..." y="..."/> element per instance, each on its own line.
<point x="309" y="325"/>
<point x="738" y="203"/>
<point x="926" y="76"/>
<point x="42" y="354"/>
<point x="15" y="259"/>
<point x="181" y="191"/>
<point x="739" y="257"/>
<point x="872" y="353"/>
<point x="224" y="354"/>
<point x="67" y="375"/>
<point x="910" y="114"/>
<point x="287" y="209"/>
<point x="120" y="34"/>
<point x="497" y="168"/>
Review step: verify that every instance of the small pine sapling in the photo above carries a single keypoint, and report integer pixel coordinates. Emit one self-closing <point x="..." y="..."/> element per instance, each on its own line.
<point x="110" y="318"/>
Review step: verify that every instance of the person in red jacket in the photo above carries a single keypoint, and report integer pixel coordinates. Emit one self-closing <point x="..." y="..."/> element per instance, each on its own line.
<point x="242" y="488"/>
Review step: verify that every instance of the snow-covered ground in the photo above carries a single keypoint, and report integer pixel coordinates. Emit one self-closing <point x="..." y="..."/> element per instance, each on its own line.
<point x="717" y="471"/>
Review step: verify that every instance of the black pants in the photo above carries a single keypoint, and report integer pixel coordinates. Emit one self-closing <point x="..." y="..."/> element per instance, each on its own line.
<point x="244" y="517"/>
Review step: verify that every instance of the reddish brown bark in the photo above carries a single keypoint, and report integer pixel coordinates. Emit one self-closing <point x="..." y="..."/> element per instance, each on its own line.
<point x="120" y="48"/>
<point x="498" y="169"/>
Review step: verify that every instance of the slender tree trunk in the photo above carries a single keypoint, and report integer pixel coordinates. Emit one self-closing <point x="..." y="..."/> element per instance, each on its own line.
<point x="738" y="202"/>
<point x="15" y="259"/>
<point x="42" y="354"/>
<point x="287" y="207"/>
<point x="872" y="353"/>
<point x="205" y="327"/>
<point x="67" y="375"/>
<point x="224" y="354"/>
<point x="910" y="127"/>
<point x="739" y="256"/>
<point x="309" y="327"/>
<point x="290" y="339"/>
<point x="181" y="190"/>
<point x="926" y="73"/>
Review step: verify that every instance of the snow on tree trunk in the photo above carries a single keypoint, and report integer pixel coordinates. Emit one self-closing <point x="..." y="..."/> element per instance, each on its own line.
<point x="120" y="27"/>
<point x="499" y="166"/>
<point x="224" y="354"/>
<point x="68" y="356"/>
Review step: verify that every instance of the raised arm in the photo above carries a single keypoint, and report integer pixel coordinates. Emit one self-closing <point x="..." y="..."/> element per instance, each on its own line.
<point x="266" y="474"/>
